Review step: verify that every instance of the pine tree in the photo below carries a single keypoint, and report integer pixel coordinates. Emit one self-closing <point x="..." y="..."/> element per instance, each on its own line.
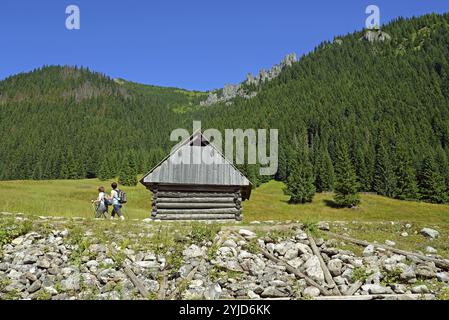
<point x="324" y="177"/>
<point x="300" y="182"/>
<point x="128" y="174"/>
<point x="384" y="176"/>
<point x="345" y="180"/>
<point x="406" y="185"/>
<point x="431" y="184"/>
<point x="69" y="167"/>
<point x="105" y="172"/>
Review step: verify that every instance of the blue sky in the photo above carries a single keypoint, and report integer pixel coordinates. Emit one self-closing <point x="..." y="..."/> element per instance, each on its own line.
<point x="192" y="44"/>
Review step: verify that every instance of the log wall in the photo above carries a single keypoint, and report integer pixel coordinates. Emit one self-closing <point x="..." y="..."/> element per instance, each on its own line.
<point x="207" y="204"/>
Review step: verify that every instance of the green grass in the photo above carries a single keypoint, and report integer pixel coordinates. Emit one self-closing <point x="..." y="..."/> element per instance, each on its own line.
<point x="71" y="198"/>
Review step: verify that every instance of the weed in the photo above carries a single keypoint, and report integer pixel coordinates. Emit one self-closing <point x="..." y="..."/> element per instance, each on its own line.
<point x="360" y="274"/>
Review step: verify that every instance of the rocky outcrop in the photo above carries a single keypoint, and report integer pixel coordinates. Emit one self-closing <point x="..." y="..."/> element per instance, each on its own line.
<point x="230" y="91"/>
<point x="375" y="35"/>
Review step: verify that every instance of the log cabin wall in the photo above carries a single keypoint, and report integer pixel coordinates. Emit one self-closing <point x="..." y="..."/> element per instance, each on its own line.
<point x="196" y="203"/>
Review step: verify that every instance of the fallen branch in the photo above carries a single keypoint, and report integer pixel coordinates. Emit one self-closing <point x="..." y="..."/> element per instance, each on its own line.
<point x="327" y="275"/>
<point x="353" y="289"/>
<point x="136" y="282"/>
<point x="380" y="297"/>
<point x="438" y="262"/>
<point x="163" y="286"/>
<point x="296" y="272"/>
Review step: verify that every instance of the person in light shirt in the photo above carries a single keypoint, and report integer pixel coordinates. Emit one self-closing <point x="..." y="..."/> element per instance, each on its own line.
<point x="116" y="205"/>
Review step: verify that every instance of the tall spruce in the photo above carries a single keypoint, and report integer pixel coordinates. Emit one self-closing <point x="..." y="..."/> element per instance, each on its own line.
<point x="406" y="184"/>
<point x="346" y="185"/>
<point x="324" y="176"/>
<point x="300" y="182"/>
<point x="128" y="174"/>
<point x="384" y="176"/>
<point x="431" y="183"/>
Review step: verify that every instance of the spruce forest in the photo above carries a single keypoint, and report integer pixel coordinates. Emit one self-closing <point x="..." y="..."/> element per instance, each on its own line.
<point x="353" y="116"/>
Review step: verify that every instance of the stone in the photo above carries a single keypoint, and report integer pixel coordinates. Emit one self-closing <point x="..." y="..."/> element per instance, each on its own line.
<point x="247" y="233"/>
<point x="97" y="248"/>
<point x="376" y="289"/>
<point x="72" y="283"/>
<point x="368" y="251"/>
<point x="296" y="262"/>
<point x="426" y="271"/>
<point x="408" y="274"/>
<point x="313" y="269"/>
<point x="29" y="259"/>
<point x="31" y="276"/>
<point x="311" y="292"/>
<point x="404" y="234"/>
<point x="92" y="263"/>
<point x="43" y="263"/>
<point x="34" y="287"/>
<point x="335" y="266"/>
<point x="430" y="249"/>
<point x="303" y="249"/>
<point x="420" y="289"/>
<point x="430" y="233"/>
<point x="193" y="252"/>
<point x="390" y="243"/>
<point x="323" y="226"/>
<point x="272" y="292"/>
<point x="291" y="254"/>
<point x="213" y="292"/>
<point x="17" y="241"/>
<point x="148" y="264"/>
<point x="252" y="295"/>
<point x="152" y="285"/>
<point x="229" y="243"/>
<point x="443" y="276"/>
<point x="398" y="288"/>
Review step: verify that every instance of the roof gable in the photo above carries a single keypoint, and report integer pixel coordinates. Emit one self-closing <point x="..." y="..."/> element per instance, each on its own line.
<point x="196" y="161"/>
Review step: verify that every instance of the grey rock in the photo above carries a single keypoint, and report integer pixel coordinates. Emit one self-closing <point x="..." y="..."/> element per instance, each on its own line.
<point x="398" y="288"/>
<point x="420" y="289"/>
<point x="252" y="295"/>
<point x="296" y="262"/>
<point x="313" y="269"/>
<point x="229" y="243"/>
<point x="272" y="292"/>
<point x="443" y="276"/>
<point x="430" y="249"/>
<point x="213" y="292"/>
<point x="291" y="254"/>
<point x="34" y="287"/>
<point x="430" y="233"/>
<point x="390" y="243"/>
<point x="335" y="266"/>
<point x="72" y="283"/>
<point x="404" y="234"/>
<point x="376" y="289"/>
<point x="247" y="233"/>
<point x="311" y="292"/>
<point x="323" y="226"/>
<point x="368" y="251"/>
<point x="193" y="252"/>
<point x="43" y="263"/>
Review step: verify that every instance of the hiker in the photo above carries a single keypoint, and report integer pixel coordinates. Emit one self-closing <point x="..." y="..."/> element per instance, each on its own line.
<point x="116" y="205"/>
<point x="101" y="202"/>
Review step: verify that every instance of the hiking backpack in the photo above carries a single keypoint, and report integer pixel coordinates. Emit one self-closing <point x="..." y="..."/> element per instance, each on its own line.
<point x="121" y="196"/>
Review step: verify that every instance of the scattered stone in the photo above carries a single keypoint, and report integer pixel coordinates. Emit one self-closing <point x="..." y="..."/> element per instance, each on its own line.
<point x="420" y="289"/>
<point x="247" y="233"/>
<point x="313" y="269"/>
<point x="34" y="287"/>
<point x="272" y="292"/>
<point x="335" y="266"/>
<point x="213" y="292"/>
<point x="390" y="243"/>
<point x="368" y="251"/>
<point x="430" y="233"/>
<point x="311" y="292"/>
<point x="404" y="234"/>
<point x="430" y="249"/>
<point x="323" y="226"/>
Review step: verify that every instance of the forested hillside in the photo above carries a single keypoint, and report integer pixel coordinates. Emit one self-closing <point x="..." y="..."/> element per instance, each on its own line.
<point x="386" y="102"/>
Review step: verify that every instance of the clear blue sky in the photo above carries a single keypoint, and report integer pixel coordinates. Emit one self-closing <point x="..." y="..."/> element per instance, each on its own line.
<point x="193" y="44"/>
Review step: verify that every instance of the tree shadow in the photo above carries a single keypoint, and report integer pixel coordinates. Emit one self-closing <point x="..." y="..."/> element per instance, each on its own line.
<point x="331" y="203"/>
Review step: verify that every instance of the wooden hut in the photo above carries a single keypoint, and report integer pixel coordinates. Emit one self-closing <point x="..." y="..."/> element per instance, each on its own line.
<point x="196" y="189"/>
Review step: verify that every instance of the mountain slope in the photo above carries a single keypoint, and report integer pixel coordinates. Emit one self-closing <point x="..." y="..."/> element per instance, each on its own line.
<point x="387" y="100"/>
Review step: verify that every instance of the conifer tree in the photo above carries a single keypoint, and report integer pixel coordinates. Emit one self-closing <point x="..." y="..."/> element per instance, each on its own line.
<point x="384" y="176"/>
<point x="127" y="176"/>
<point x="105" y="172"/>
<point x="431" y="184"/>
<point x="324" y="180"/>
<point x="69" y="167"/>
<point x="406" y="185"/>
<point x="345" y="180"/>
<point x="300" y="182"/>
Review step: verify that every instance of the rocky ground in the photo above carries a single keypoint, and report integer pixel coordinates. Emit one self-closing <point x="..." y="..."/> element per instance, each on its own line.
<point x="55" y="258"/>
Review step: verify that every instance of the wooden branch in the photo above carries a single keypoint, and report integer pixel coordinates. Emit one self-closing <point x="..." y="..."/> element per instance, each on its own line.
<point x="438" y="262"/>
<point x="353" y="289"/>
<point x="162" y="287"/>
<point x="380" y="297"/>
<point x="296" y="272"/>
<point x="136" y="282"/>
<point x="327" y="275"/>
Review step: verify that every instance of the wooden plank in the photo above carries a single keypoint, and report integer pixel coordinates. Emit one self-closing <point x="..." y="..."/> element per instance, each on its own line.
<point x="194" y="200"/>
<point x="198" y="211"/>
<point x="136" y="282"/>
<point x="438" y="262"/>
<point x="353" y="289"/>
<point x="327" y="275"/>
<point x="185" y="205"/>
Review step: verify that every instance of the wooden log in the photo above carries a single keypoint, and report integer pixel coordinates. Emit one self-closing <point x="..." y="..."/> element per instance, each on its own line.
<point x="196" y="200"/>
<point x="353" y="289"/>
<point x="380" y="297"/>
<point x="195" y="216"/>
<point x="296" y="272"/>
<point x="438" y="262"/>
<point x="197" y="211"/>
<point x="162" y="287"/>
<point x="136" y="282"/>
<point x="185" y="205"/>
<point x="172" y="194"/>
<point x="327" y="275"/>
